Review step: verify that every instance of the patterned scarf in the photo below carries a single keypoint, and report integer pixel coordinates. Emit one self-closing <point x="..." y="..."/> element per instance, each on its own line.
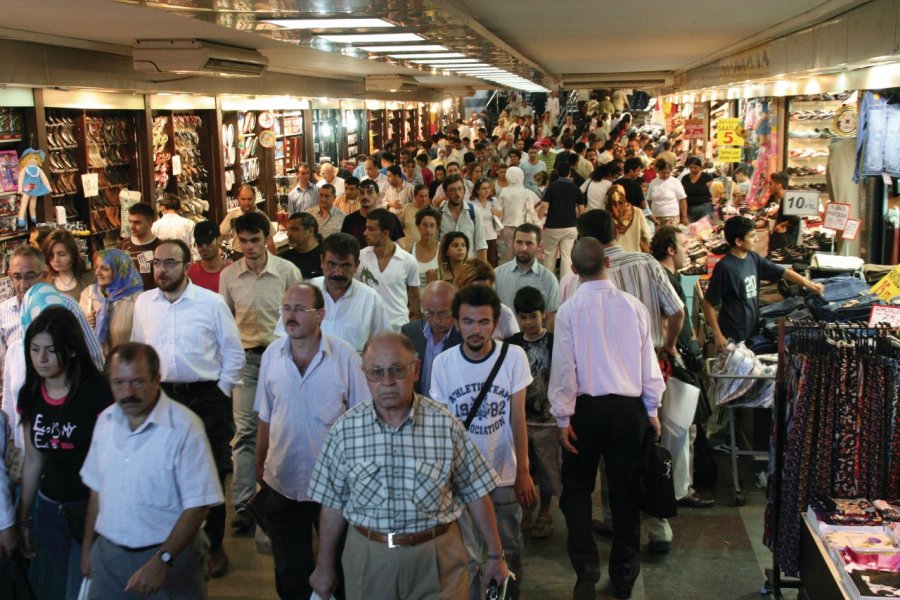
<point x="43" y="295"/>
<point x="126" y="281"/>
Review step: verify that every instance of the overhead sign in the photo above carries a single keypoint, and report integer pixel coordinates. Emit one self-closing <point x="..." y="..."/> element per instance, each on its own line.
<point x="728" y="131"/>
<point x="801" y="204"/>
<point x="836" y="215"/>
<point x="693" y="129"/>
<point x="888" y="287"/>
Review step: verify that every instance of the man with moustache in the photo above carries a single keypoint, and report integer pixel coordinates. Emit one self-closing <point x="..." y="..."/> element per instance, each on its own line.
<point x="153" y="481"/>
<point x="355" y="223"/>
<point x="435" y="331"/>
<point x="354" y="312"/>
<point x="307" y="380"/>
<point x="193" y="331"/>
<point x="252" y="288"/>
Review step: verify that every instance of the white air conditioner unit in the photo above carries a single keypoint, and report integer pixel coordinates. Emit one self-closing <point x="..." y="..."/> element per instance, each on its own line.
<point x="197" y="57"/>
<point x="391" y="83"/>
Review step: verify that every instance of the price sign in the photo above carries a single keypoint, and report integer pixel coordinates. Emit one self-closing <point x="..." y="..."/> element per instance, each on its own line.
<point x="885" y="314"/>
<point x="176" y="165"/>
<point x="889" y="286"/>
<point x="693" y="129"/>
<point x="728" y="132"/>
<point x="851" y="229"/>
<point x="836" y="215"/>
<point x="801" y="204"/>
<point x="89" y="185"/>
<point x="728" y="154"/>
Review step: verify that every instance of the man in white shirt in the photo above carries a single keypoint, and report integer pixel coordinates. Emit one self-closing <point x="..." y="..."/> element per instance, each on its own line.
<point x="498" y="430"/>
<point x="381" y="180"/>
<point x="605" y="389"/>
<point x="398" y="193"/>
<point x="354" y="312"/>
<point x="457" y="152"/>
<point x="329" y="175"/>
<point x="305" y="195"/>
<point x="307" y="380"/>
<point x="9" y="536"/>
<point x="26" y="266"/>
<point x="553" y="107"/>
<point x="461" y="215"/>
<point x="440" y="194"/>
<point x="193" y="331"/>
<point x="388" y="269"/>
<point x="172" y="226"/>
<point x="153" y="480"/>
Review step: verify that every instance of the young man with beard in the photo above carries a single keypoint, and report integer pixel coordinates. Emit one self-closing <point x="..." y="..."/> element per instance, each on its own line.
<point x="355" y="223"/>
<point x="197" y="339"/>
<point x="461" y="215"/>
<point x="526" y="270"/>
<point x="498" y="429"/>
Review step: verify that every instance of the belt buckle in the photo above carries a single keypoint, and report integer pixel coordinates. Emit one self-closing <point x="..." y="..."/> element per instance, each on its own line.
<point x="390" y="541"/>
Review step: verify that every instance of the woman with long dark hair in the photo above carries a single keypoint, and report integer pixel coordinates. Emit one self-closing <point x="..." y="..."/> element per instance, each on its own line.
<point x="452" y="254"/>
<point x="66" y="269"/>
<point x="59" y="403"/>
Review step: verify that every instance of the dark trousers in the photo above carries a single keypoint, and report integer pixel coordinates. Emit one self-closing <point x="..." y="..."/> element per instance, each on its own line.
<point x="214" y="409"/>
<point x="611" y="427"/>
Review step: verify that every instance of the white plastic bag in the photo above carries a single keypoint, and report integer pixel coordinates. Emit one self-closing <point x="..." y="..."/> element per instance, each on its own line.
<point x="85" y="590"/>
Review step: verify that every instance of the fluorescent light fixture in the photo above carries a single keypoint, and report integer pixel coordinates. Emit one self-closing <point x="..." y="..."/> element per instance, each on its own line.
<point x="365" y="38"/>
<point x="410" y="48"/>
<point x="444" y="62"/>
<point x="328" y="23"/>
<point x="429" y="55"/>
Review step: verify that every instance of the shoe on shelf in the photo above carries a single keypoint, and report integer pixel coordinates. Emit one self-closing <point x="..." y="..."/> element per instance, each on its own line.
<point x="217" y="565"/>
<point x="243" y="522"/>
<point x="585" y="587"/>
<point x="601" y="528"/>
<point x="659" y="548"/>
<point x="695" y="501"/>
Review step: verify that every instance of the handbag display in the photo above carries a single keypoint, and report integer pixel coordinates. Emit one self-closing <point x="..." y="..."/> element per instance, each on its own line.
<point x="657" y="487"/>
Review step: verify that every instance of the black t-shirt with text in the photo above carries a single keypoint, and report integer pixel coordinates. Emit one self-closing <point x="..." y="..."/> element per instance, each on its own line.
<point x="735" y="286"/>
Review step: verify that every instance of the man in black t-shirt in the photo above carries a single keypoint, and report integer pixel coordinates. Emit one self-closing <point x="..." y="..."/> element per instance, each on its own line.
<point x="355" y="222"/>
<point x="305" y="251"/>
<point x="735" y="284"/>
<point x="561" y="205"/>
<point x="631" y="181"/>
<point x="786" y="231"/>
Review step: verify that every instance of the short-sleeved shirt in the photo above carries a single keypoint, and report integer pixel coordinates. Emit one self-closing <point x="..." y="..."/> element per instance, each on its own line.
<point x="309" y="263"/>
<point x="142" y="255"/>
<point x="204" y="278"/>
<point x="735" y="285"/>
<point x="404" y="479"/>
<point x="510" y="279"/>
<point x="563" y="198"/>
<point x="473" y="228"/>
<point x="697" y="193"/>
<point x="356" y="316"/>
<point x="664" y="196"/>
<point x="456" y="381"/>
<point x="355" y="225"/>
<point x="402" y="272"/>
<point x="540" y="356"/>
<point x="634" y="193"/>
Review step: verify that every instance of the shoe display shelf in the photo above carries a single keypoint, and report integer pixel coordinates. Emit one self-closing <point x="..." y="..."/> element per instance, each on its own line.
<point x="247" y="159"/>
<point x="182" y="149"/>
<point x="811" y="127"/>
<point x="290" y="147"/>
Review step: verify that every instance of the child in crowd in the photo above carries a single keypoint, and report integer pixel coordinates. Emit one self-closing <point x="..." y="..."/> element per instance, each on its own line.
<point x="543" y="438"/>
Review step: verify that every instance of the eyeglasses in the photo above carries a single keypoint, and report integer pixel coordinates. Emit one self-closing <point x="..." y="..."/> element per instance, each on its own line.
<point x="29" y="277"/>
<point x="295" y="309"/>
<point x="395" y="371"/>
<point x="441" y="314"/>
<point x="167" y="264"/>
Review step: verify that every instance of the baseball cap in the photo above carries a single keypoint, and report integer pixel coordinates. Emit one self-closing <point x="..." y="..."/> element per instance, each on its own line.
<point x="205" y="232"/>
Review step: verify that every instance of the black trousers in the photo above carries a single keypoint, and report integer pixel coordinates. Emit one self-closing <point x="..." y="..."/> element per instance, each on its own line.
<point x="214" y="409"/>
<point x="611" y="427"/>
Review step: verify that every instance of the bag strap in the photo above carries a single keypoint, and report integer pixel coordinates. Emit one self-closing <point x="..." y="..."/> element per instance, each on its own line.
<point x="471" y="211"/>
<point x="487" y="383"/>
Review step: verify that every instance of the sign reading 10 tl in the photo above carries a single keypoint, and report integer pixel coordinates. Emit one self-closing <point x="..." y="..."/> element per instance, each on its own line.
<point x="801" y="204"/>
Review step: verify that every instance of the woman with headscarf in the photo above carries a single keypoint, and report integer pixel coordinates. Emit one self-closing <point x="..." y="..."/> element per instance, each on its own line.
<point x="109" y="303"/>
<point x="515" y="204"/>
<point x="59" y="403"/>
<point x="632" y="231"/>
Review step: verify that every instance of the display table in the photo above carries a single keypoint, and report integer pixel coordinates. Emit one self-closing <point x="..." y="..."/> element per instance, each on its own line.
<point x="820" y="578"/>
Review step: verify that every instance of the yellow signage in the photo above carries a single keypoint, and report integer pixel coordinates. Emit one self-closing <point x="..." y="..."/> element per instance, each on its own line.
<point x="889" y="287"/>
<point x="728" y="132"/>
<point x="729" y="154"/>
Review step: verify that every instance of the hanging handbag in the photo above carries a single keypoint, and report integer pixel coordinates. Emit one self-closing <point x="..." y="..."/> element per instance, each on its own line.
<point x="657" y="487"/>
<point x="473" y="412"/>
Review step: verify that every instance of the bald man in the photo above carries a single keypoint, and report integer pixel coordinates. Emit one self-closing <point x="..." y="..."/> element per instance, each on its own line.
<point x="434" y="332"/>
<point x="329" y="175"/>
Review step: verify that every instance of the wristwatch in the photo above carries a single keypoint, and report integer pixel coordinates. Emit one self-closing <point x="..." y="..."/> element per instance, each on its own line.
<point x="166" y="557"/>
<point x="501" y="556"/>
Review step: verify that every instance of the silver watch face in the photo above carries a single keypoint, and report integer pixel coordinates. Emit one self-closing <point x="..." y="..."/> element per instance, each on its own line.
<point x="166" y="557"/>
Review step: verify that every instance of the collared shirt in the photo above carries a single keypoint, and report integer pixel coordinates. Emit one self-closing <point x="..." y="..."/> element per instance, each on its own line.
<point x="432" y="349"/>
<point x="7" y="506"/>
<point x="602" y="345"/>
<point x="474" y="229"/>
<point x="255" y="299"/>
<point x="300" y="199"/>
<point x="510" y="279"/>
<point x="356" y="316"/>
<point x="226" y="230"/>
<point x="401" y="273"/>
<point x="172" y="226"/>
<point x="10" y="325"/>
<point x="403" y="195"/>
<point x="148" y="477"/>
<point x="641" y="276"/>
<point x="196" y="336"/>
<point x="331" y="223"/>
<point x="401" y="480"/>
<point x="345" y="205"/>
<point x="300" y="409"/>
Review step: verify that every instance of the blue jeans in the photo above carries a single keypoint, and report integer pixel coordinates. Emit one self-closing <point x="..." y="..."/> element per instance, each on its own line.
<point x="55" y="573"/>
<point x="695" y="213"/>
<point x="246" y="422"/>
<point x="509" y="524"/>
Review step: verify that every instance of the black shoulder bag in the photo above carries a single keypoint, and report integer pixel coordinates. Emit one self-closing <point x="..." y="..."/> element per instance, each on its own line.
<point x="487" y="384"/>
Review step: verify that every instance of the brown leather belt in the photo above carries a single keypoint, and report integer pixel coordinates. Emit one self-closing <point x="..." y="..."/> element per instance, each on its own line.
<point x="395" y="540"/>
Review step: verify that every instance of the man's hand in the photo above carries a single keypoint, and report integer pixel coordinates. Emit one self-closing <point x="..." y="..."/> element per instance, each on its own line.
<point x="524" y="489"/>
<point x="323" y="582"/>
<point x="85" y="565"/>
<point x="9" y="541"/>
<point x="780" y="228"/>
<point x="568" y="438"/>
<point x="495" y="570"/>
<point x="654" y="423"/>
<point x="148" y="579"/>
<point x="816" y="288"/>
<point x="721" y="342"/>
<point x="670" y="351"/>
<point x="28" y="547"/>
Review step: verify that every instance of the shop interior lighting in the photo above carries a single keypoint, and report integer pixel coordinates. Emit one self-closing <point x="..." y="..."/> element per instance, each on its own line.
<point x="329" y="23"/>
<point x="429" y="55"/>
<point x="368" y="38"/>
<point x="409" y="48"/>
<point x="446" y="62"/>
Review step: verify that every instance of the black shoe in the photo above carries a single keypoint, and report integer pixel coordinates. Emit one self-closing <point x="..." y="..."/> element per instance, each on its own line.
<point x="695" y="501"/>
<point x="601" y="528"/>
<point x="585" y="586"/>
<point x="243" y="522"/>
<point x="659" y="548"/>
<point x="623" y="593"/>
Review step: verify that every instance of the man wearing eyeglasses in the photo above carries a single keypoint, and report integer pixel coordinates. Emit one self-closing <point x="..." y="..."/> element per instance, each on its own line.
<point x="307" y="380"/>
<point x="435" y="331"/>
<point x="197" y="339"/>
<point x="399" y="470"/>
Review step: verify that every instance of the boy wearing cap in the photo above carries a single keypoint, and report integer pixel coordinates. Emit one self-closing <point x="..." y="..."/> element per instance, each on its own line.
<point x="206" y="271"/>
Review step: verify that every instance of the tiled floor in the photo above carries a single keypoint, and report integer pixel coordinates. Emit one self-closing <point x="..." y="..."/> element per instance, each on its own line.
<point x="717" y="554"/>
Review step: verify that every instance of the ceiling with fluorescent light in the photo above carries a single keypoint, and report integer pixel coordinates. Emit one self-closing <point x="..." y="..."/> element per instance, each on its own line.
<point x="542" y="43"/>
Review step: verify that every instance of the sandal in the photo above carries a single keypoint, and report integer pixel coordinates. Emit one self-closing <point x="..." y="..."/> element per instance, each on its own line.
<point x="526" y="522"/>
<point x="543" y="528"/>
